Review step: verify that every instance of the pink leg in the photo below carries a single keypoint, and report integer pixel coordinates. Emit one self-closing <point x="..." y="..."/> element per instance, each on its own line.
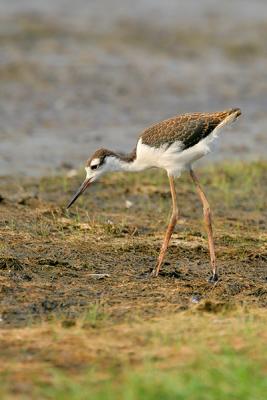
<point x="208" y="223"/>
<point x="170" y="228"/>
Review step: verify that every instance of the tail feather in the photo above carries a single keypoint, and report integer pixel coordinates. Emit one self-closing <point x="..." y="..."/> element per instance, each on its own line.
<point x="231" y="116"/>
<point x="236" y="112"/>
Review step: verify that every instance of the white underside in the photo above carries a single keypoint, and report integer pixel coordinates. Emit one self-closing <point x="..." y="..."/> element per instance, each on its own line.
<point x="173" y="159"/>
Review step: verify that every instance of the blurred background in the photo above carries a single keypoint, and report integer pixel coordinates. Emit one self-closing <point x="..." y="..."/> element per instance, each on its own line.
<point x="78" y="75"/>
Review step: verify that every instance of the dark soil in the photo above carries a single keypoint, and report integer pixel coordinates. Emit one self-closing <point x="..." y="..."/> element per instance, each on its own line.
<point x="100" y="253"/>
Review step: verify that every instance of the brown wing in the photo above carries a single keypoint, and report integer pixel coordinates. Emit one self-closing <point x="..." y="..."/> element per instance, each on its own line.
<point x="188" y="129"/>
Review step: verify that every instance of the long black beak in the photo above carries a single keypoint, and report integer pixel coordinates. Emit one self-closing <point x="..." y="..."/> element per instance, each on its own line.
<point x="81" y="189"/>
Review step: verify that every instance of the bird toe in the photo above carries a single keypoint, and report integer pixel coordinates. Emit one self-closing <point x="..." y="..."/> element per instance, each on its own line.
<point x="213" y="278"/>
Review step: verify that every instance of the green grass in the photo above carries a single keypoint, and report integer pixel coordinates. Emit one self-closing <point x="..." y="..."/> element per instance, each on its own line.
<point x="194" y="355"/>
<point x="222" y="377"/>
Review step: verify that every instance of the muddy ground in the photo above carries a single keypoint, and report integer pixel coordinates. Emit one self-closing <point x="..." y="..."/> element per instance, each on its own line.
<point x="49" y="255"/>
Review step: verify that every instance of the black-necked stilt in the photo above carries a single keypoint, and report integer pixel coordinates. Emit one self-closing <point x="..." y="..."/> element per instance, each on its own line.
<point x="173" y="144"/>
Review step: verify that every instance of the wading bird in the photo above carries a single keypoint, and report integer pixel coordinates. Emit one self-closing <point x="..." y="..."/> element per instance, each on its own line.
<point x="173" y="144"/>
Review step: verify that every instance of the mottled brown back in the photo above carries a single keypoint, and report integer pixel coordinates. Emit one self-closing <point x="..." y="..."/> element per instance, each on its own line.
<point x="189" y="129"/>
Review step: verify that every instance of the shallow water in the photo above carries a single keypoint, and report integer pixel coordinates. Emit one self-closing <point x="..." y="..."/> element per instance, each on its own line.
<point x="77" y="76"/>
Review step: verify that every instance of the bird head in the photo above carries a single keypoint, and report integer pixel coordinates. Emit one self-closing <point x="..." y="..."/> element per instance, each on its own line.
<point x="98" y="164"/>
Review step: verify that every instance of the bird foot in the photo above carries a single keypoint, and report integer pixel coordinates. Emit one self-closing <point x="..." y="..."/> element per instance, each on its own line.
<point x="214" y="278"/>
<point x="154" y="273"/>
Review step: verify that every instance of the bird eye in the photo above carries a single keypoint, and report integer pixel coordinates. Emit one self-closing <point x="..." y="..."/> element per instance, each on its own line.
<point x="94" y="166"/>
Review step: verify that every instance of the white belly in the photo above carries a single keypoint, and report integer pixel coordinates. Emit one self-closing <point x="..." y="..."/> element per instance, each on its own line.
<point x="173" y="159"/>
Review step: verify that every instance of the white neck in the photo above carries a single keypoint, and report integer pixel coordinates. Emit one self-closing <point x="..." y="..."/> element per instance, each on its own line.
<point x="145" y="157"/>
<point x="118" y="164"/>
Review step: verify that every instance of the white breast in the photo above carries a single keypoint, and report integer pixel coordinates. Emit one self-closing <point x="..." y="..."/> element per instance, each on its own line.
<point x="171" y="158"/>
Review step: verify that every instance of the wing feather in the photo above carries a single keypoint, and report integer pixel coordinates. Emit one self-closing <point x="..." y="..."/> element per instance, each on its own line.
<point x="188" y="129"/>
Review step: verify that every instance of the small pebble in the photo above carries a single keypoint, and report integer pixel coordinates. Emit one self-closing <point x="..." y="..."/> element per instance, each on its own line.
<point x="128" y="204"/>
<point x="99" y="276"/>
<point x="195" y="299"/>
